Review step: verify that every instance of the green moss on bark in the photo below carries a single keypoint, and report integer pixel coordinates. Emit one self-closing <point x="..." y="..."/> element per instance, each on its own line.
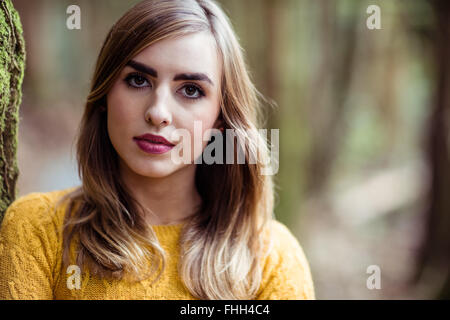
<point x="12" y="65"/>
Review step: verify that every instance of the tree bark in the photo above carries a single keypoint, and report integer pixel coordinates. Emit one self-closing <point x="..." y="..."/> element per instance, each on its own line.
<point x="12" y="65"/>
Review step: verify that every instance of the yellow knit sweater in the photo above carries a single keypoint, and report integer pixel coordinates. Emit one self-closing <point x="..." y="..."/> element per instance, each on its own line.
<point x="31" y="261"/>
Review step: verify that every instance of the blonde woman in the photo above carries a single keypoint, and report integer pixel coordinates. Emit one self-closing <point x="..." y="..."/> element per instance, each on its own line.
<point x="141" y="225"/>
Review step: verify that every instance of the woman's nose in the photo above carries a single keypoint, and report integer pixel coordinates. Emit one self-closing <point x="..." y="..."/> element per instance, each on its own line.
<point x="158" y="111"/>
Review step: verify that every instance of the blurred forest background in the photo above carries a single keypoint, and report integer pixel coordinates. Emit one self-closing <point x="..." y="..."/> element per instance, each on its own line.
<point x="363" y="119"/>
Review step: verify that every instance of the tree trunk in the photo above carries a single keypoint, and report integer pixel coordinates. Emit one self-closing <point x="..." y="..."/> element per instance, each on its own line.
<point x="12" y="62"/>
<point x="435" y="249"/>
<point x="339" y="39"/>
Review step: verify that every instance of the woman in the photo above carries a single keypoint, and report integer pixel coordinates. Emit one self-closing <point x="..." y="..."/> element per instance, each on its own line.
<point x="142" y="225"/>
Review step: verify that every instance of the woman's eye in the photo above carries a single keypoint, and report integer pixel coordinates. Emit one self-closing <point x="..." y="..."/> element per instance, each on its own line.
<point x="137" y="81"/>
<point x="192" y="92"/>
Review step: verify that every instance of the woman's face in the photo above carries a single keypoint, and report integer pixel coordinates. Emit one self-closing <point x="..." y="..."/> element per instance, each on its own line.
<point x="168" y="86"/>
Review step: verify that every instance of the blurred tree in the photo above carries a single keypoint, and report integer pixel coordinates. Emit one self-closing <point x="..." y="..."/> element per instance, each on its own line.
<point x="12" y="62"/>
<point x="435" y="249"/>
<point x="330" y="89"/>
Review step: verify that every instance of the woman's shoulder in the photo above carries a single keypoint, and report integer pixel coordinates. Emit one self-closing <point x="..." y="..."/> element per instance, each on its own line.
<point x="281" y="243"/>
<point x="286" y="271"/>
<point x="34" y="212"/>
<point x="30" y="245"/>
<point x="281" y="233"/>
<point x="278" y="238"/>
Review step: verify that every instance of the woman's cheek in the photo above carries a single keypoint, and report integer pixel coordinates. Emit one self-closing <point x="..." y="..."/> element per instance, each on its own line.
<point x="123" y="110"/>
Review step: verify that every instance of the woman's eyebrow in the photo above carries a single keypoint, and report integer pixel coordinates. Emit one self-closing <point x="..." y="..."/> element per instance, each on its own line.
<point x="193" y="76"/>
<point x="181" y="76"/>
<point x="143" y="68"/>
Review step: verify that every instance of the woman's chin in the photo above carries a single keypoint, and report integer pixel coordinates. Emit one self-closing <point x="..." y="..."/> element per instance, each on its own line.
<point x="156" y="170"/>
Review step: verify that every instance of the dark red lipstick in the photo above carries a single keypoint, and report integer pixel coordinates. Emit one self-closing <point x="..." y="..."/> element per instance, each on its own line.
<point x="153" y="144"/>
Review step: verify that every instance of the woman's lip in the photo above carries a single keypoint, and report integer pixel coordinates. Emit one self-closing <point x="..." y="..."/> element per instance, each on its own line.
<point x="154" y="138"/>
<point x="150" y="147"/>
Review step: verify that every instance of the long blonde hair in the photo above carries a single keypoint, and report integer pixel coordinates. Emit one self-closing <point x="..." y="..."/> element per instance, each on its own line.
<point x="222" y="246"/>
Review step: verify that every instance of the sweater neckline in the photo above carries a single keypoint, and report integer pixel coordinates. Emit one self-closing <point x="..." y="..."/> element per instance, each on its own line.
<point x="167" y="232"/>
<point x="167" y="226"/>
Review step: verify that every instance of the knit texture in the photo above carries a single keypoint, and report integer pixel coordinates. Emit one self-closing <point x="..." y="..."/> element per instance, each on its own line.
<point x="31" y="261"/>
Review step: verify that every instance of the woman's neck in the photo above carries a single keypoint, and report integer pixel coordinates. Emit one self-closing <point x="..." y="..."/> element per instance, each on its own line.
<point x="168" y="200"/>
